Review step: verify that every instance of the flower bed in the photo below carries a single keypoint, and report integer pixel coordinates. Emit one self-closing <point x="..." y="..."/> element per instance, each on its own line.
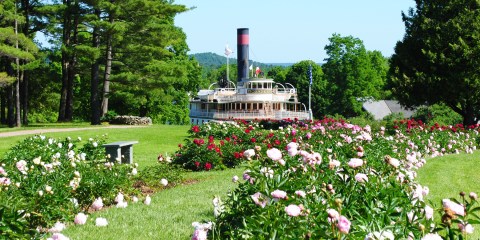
<point x="46" y="183"/>
<point x="334" y="180"/>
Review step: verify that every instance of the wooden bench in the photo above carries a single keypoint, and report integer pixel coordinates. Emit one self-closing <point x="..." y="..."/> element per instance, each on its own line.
<point x="122" y="150"/>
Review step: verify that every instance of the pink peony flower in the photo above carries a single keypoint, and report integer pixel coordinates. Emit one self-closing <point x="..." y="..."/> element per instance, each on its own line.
<point x="101" y="222"/>
<point x="248" y="154"/>
<point x="274" y="154"/>
<point x="309" y="135"/>
<point x="201" y="230"/>
<point x="5" y="181"/>
<point x="455" y="207"/>
<point x="164" y="182"/>
<point x="333" y="215"/>
<point x="3" y="172"/>
<point x="58" y="236"/>
<point x="259" y="199"/>
<point x="97" y="204"/>
<point x="428" y="212"/>
<point x="361" y="178"/>
<point x="300" y="193"/>
<point x="148" y="200"/>
<point x="58" y="227"/>
<point x="355" y="162"/>
<point x="122" y="205"/>
<point x="80" y="219"/>
<point x="293" y="210"/>
<point x="292" y="152"/>
<point x="279" y="194"/>
<point x="246" y="176"/>
<point x="119" y="198"/>
<point x="468" y="228"/>
<point x="292" y="145"/>
<point x="333" y="164"/>
<point x="22" y="166"/>
<point x="343" y="224"/>
<point x="235" y="179"/>
<point x="432" y="236"/>
<point x="473" y="196"/>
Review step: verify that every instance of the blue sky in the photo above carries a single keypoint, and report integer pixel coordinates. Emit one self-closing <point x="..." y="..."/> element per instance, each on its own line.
<point x="291" y="31"/>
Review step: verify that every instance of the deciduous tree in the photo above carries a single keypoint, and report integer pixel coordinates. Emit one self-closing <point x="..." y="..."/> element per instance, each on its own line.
<point x="437" y="60"/>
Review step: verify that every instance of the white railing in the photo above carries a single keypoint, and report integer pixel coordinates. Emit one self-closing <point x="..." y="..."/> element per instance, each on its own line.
<point x="250" y="115"/>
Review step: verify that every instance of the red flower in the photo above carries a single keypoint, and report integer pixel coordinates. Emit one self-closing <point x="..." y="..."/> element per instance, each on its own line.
<point x="197" y="164"/>
<point x="247" y="130"/>
<point x="253" y="140"/>
<point x="210" y="139"/>
<point x="277" y="142"/>
<point x="217" y="149"/>
<point x="196" y="129"/>
<point x="208" y="166"/>
<point x="227" y="139"/>
<point x="269" y="145"/>
<point x="222" y="143"/>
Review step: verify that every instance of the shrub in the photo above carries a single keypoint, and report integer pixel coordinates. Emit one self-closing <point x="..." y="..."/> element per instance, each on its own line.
<point x="55" y="180"/>
<point x="151" y="175"/>
<point x="437" y="113"/>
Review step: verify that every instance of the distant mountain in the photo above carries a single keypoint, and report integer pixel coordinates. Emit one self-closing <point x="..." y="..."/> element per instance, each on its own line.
<point x="213" y="60"/>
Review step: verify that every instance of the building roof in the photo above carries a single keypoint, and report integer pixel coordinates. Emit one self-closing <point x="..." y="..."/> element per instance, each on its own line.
<point x="381" y="108"/>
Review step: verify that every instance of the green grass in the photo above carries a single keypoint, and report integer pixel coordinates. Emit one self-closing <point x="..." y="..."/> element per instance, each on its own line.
<point x="152" y="140"/>
<point x="447" y="176"/>
<point x="170" y="214"/>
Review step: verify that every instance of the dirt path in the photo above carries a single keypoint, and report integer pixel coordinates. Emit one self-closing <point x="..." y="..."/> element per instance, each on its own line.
<point x="49" y="130"/>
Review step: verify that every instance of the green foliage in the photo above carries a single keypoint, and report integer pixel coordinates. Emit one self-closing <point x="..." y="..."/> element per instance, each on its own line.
<point x="298" y="76"/>
<point x="55" y="181"/>
<point x="437" y="113"/>
<point x="352" y="73"/>
<point x="317" y="176"/>
<point x="436" y="60"/>
<point x="151" y="175"/>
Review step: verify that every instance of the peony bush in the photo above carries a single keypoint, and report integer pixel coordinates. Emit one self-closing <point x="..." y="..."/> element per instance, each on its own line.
<point x="47" y="182"/>
<point x="333" y="180"/>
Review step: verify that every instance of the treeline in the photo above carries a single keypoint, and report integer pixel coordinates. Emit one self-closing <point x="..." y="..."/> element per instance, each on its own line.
<point x="103" y="58"/>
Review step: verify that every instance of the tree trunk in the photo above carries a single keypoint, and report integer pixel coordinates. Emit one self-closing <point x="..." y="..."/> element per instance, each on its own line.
<point x="25" y="97"/>
<point x="11" y="108"/>
<point x="65" y="63"/>
<point x="3" y="106"/>
<point x="94" y="98"/>
<point x="18" y="122"/>
<point x="108" y="69"/>
<point x="25" y="77"/>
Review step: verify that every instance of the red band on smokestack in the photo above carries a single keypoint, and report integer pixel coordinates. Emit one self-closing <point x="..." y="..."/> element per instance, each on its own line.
<point x="243" y="39"/>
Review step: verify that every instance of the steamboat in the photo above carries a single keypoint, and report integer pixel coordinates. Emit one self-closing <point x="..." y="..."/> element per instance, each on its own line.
<point x="248" y="99"/>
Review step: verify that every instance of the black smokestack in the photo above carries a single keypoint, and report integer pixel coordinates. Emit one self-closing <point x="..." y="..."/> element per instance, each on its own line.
<point x="242" y="53"/>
